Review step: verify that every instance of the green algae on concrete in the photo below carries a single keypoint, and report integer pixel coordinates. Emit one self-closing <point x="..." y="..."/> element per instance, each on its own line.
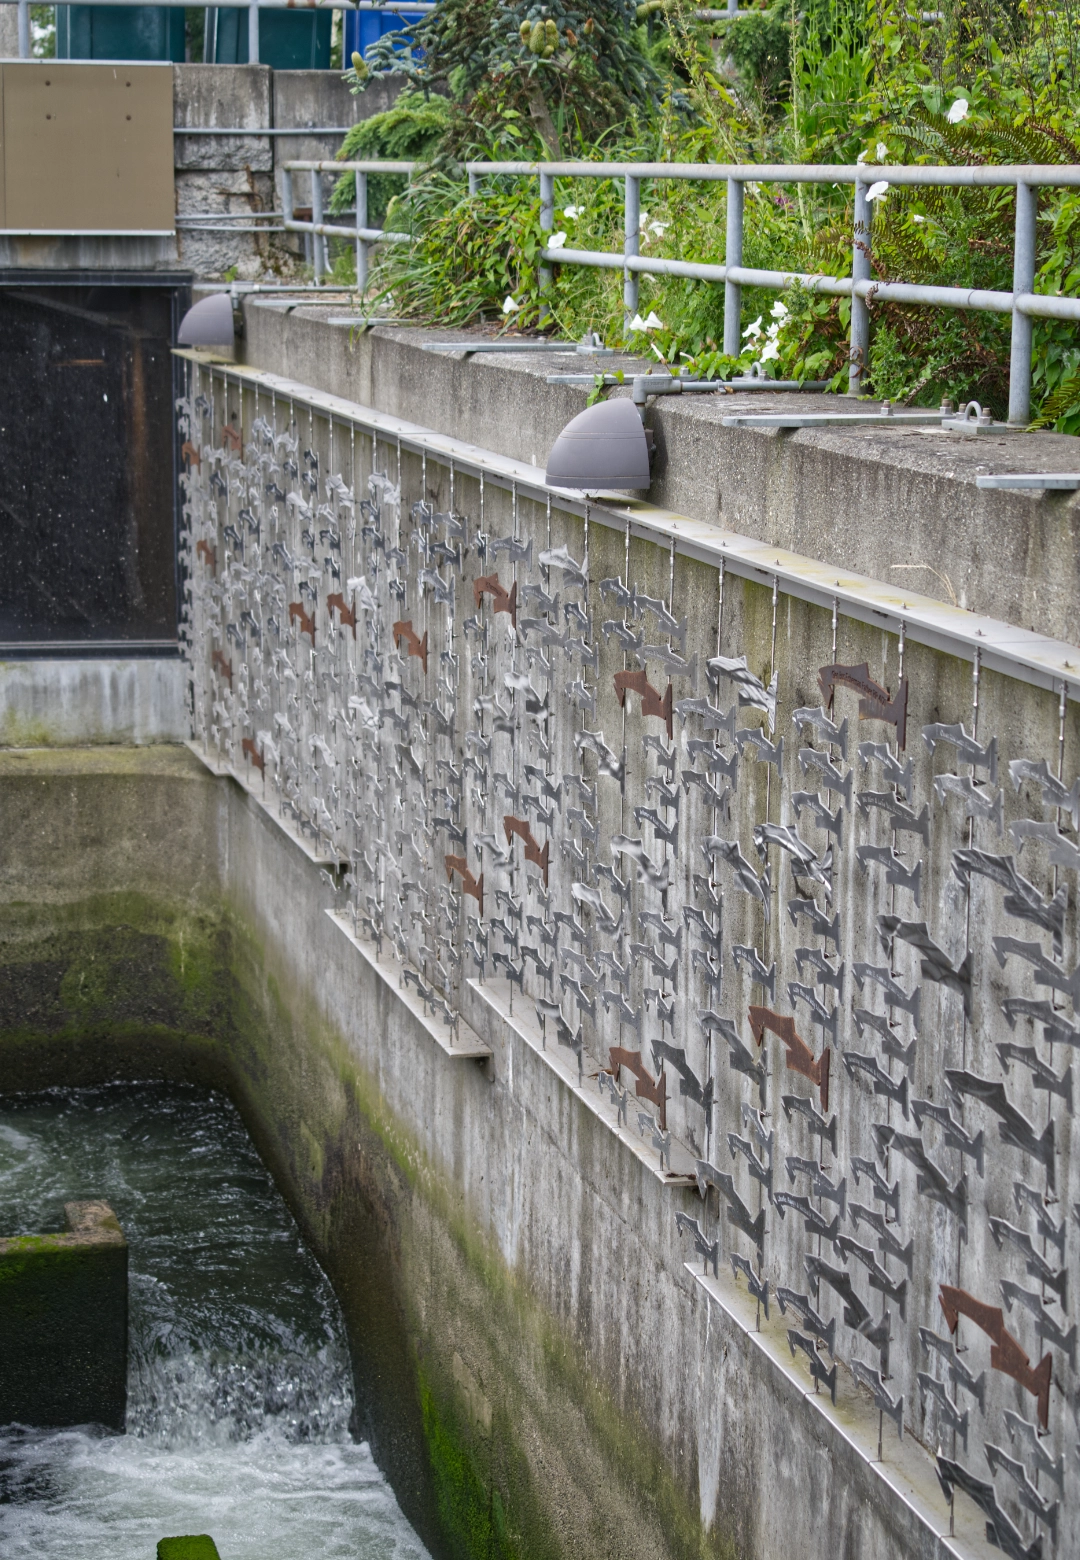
<point x="63" y="1323"/>
<point x="194" y="1546"/>
<point x="497" y="1431"/>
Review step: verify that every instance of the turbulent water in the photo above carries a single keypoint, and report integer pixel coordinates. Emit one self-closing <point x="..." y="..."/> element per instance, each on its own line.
<point x="239" y="1394"/>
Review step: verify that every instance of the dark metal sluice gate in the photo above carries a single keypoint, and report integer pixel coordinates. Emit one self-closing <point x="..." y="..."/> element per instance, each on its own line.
<point x="88" y="493"/>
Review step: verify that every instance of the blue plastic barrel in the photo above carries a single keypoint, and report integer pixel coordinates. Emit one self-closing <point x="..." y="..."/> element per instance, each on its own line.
<point x="364" y="27"/>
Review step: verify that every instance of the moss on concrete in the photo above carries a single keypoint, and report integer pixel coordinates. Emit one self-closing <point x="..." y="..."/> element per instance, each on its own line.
<point x="63" y="1323"/>
<point x="195" y="1546"/>
<point x="495" y="1429"/>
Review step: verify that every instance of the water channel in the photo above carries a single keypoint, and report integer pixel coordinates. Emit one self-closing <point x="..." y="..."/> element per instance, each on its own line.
<point x="239" y="1389"/>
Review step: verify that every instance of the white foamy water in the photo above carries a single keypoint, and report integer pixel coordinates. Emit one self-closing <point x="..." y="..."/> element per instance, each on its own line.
<point x="239" y="1391"/>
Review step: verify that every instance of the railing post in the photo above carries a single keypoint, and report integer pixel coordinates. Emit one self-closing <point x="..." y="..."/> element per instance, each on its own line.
<point x="1023" y="282"/>
<point x="733" y="255"/>
<point x="24" y="29"/>
<point x="253" y="34"/>
<point x="474" y="182"/>
<point x="316" y="218"/>
<point x="631" y="244"/>
<point x="860" y="272"/>
<point x="547" y="225"/>
<point x="361" y="243"/>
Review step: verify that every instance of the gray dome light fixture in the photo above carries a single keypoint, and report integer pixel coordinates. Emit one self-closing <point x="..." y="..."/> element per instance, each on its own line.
<point x="208" y="323"/>
<point x="605" y="446"/>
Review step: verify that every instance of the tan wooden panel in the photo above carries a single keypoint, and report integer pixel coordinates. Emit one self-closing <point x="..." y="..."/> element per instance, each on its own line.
<point x="87" y="147"/>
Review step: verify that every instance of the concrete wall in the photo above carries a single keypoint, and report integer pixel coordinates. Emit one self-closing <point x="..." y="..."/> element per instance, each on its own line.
<point x="59" y="702"/>
<point x="539" y="1371"/>
<point x="221" y="175"/>
<point x="227" y="175"/>
<point x="63" y="1323"/>
<point x="899" y="505"/>
<point x="382" y="790"/>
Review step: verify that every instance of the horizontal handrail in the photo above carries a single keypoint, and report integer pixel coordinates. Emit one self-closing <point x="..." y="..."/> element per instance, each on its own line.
<point x="280" y="130"/>
<point x="331" y="165"/>
<point x="1064" y="175"/>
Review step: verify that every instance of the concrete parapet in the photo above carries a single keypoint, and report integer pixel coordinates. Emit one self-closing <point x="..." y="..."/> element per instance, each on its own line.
<point x="897" y="504"/>
<point x="55" y="703"/>
<point x="63" y="1322"/>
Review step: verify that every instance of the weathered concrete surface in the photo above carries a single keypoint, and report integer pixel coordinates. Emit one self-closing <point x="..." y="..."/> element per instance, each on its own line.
<point x="899" y="505"/>
<point x="48" y="703"/>
<point x="220" y="174"/>
<point x="63" y="1322"/>
<point x="538" y="1372"/>
<point x="241" y="175"/>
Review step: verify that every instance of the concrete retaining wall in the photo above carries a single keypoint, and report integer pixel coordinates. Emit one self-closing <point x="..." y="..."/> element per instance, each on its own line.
<point x="50" y="703"/>
<point x="899" y="505"/>
<point x="63" y="1323"/>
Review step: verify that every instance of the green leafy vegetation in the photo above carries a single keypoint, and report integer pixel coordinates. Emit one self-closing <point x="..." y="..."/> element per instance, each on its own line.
<point x="834" y="81"/>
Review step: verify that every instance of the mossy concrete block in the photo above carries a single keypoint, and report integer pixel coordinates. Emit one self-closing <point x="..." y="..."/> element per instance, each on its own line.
<point x="64" y="1321"/>
<point x="195" y="1546"/>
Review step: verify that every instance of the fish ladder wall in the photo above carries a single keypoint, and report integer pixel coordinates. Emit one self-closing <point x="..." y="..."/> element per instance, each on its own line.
<point x="779" y="901"/>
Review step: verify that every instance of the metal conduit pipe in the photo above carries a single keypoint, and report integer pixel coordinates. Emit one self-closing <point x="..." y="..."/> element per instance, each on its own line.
<point x="1060" y="175"/>
<point x="332" y="230"/>
<point x="547" y="221"/>
<point x="362" y="232"/>
<point x="1023" y="282"/>
<point x="631" y="245"/>
<point x="1040" y="306"/>
<point x="859" y="350"/>
<point x="733" y="254"/>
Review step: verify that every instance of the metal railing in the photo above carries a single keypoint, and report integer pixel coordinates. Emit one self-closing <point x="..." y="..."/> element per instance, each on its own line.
<point x="1022" y="303"/>
<point x="363" y="235"/>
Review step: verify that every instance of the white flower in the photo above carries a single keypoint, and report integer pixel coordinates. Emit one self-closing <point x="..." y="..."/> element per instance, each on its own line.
<point x="637" y="323"/>
<point x="556" y="241"/>
<point x="779" y="310"/>
<point x="643" y="221"/>
<point x="571" y="213"/>
<point x="509" y="305"/>
<point x="752" y="187"/>
<point x="769" y="350"/>
<point x="958" y="111"/>
<point x="753" y="330"/>
<point x="915" y="217"/>
<point x="652" y="322"/>
<point x="658" y="229"/>
<point x="772" y="332"/>
<point x="882" y="152"/>
<point x="860" y="159"/>
<point x="877" y="190"/>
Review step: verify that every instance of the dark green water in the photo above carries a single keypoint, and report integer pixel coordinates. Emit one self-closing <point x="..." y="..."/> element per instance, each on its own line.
<point x="239" y="1392"/>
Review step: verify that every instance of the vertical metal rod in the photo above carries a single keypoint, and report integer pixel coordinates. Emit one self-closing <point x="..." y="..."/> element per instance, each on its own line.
<point x="860" y="272"/>
<point x="316" y="217"/>
<point x="253" y="34"/>
<point x="361" y="244"/>
<point x="1023" y="282"/>
<point x="631" y="243"/>
<point x="733" y="255"/>
<point x="474" y="183"/>
<point x="287" y="194"/>
<point x="24" y="29"/>
<point x="547" y="222"/>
